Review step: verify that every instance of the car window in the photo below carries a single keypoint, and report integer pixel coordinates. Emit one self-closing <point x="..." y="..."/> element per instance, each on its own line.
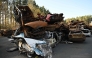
<point x="85" y="31"/>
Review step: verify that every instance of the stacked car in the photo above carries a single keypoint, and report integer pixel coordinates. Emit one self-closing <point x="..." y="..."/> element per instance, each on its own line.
<point x="78" y="31"/>
<point x="75" y="32"/>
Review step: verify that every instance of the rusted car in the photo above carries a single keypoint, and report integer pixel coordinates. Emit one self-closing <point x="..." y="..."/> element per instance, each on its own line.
<point x="77" y="36"/>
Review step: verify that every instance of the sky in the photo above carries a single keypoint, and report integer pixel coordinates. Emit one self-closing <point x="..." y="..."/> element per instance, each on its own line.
<point x="70" y="8"/>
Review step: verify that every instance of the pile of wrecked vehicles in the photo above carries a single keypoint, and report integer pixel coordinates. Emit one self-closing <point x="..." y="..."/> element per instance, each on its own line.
<point x="78" y="32"/>
<point x="36" y="37"/>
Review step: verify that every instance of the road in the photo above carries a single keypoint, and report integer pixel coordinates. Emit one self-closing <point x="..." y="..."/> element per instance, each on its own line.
<point x="62" y="50"/>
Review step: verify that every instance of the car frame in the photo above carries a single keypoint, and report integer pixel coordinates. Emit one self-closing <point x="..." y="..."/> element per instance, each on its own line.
<point x="76" y="35"/>
<point x="86" y="32"/>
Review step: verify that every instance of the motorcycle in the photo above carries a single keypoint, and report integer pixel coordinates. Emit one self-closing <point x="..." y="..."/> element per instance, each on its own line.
<point x="34" y="48"/>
